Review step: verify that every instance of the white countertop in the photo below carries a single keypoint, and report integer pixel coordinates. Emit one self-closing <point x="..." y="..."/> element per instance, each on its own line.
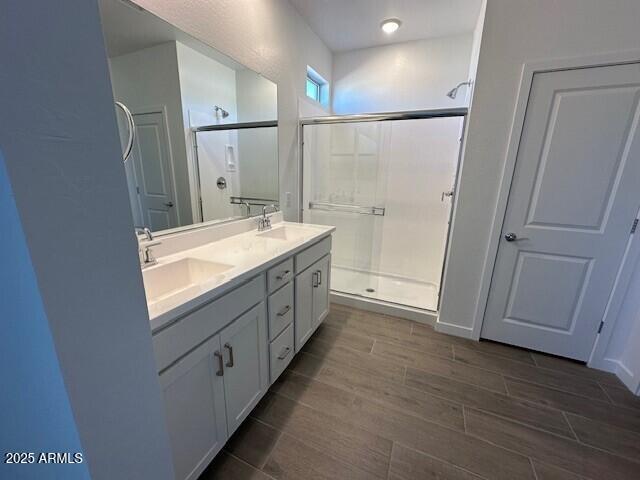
<point x="246" y="255"/>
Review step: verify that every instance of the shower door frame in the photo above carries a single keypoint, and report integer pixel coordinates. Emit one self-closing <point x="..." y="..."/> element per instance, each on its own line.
<point x="383" y="117"/>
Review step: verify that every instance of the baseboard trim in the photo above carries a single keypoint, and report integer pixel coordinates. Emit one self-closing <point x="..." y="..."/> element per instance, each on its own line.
<point x="376" y="306"/>
<point x="455" y="330"/>
<point x="626" y="376"/>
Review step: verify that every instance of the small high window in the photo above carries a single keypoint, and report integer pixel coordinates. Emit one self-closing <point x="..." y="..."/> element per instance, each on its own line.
<point x="313" y="89"/>
<point x="317" y="88"/>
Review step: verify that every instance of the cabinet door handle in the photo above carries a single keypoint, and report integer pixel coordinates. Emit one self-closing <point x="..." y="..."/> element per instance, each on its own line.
<point x="230" y="348"/>
<point x="319" y="277"/>
<point x="314" y="280"/>
<point x="283" y="275"/>
<point x="283" y="354"/>
<point x="284" y="311"/>
<point x="220" y="371"/>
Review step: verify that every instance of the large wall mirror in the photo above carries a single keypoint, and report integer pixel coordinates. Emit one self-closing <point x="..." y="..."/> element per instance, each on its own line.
<point x="205" y="144"/>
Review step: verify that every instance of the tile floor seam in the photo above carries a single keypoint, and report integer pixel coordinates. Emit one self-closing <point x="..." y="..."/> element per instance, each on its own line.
<point x="280" y="432"/>
<point x="333" y="457"/>
<point x="582" y="397"/>
<point x="578" y="442"/>
<point x="607" y="394"/>
<point x="464" y="418"/>
<point x="505" y="375"/>
<point x="506" y="387"/>
<point x="249" y="465"/>
<point x="524" y="424"/>
<point x="377" y="402"/>
<point x="426" y="454"/>
<point x="533" y="468"/>
<point x="314" y="445"/>
<point x="573" y="432"/>
<point x="634" y="460"/>
<point x="520" y="453"/>
<point x="393" y="444"/>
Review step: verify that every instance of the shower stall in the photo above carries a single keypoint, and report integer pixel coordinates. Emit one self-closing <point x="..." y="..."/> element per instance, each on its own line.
<point x="386" y="181"/>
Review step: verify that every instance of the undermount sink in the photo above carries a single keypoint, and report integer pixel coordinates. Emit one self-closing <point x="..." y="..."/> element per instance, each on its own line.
<point x="169" y="279"/>
<point x="283" y="233"/>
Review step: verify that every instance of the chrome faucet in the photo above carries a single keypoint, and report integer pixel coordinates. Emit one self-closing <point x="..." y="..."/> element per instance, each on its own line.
<point x="246" y="204"/>
<point x="145" y="231"/>
<point x="145" y="254"/>
<point x="264" y="223"/>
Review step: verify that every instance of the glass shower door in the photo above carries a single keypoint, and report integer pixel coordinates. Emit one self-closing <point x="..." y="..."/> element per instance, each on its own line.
<point x="387" y="187"/>
<point x="345" y="168"/>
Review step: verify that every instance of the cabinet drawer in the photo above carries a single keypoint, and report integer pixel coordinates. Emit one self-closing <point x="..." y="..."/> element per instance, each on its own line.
<point x="281" y="352"/>
<point x="279" y="275"/>
<point x="178" y="339"/>
<point x="312" y="254"/>
<point x="281" y="310"/>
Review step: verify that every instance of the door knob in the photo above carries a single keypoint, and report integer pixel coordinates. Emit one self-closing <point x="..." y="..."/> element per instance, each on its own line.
<point x="510" y="237"/>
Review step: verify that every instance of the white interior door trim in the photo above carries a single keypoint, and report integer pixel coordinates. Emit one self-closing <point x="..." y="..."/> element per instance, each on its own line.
<point x="630" y="262"/>
<point x="162" y="109"/>
<point x="529" y="69"/>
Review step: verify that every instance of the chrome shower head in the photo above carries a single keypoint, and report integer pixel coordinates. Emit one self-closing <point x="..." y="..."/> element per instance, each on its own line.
<point x="454" y="91"/>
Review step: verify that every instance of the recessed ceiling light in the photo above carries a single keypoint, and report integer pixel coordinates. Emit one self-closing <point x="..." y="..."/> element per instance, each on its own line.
<point x="390" y="25"/>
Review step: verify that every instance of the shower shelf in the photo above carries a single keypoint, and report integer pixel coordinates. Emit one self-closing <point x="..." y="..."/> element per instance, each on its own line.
<point x="337" y="207"/>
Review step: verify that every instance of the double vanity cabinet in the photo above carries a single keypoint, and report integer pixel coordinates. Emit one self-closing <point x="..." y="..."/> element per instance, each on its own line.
<point x="217" y="360"/>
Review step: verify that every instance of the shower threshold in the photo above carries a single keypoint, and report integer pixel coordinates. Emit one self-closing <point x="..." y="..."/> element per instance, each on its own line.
<point x="395" y="295"/>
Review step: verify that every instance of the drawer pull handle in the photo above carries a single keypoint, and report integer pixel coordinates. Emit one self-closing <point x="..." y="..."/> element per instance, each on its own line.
<point x="284" y="353"/>
<point x="230" y="348"/>
<point x="319" y="277"/>
<point x="283" y="275"/>
<point x="284" y="311"/>
<point x="220" y="371"/>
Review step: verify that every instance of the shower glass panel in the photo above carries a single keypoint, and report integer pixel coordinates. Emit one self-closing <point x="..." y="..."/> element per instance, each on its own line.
<point x="384" y="185"/>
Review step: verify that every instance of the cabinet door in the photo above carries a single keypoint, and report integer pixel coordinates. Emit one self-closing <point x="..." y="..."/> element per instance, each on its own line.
<point x="321" y="290"/>
<point x="194" y="403"/>
<point x="246" y="364"/>
<point x="304" y="286"/>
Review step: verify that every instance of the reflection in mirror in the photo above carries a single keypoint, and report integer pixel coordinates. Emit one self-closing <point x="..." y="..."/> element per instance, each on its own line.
<point x="205" y="145"/>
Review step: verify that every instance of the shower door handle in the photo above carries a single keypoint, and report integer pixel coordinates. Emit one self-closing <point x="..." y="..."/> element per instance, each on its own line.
<point x="446" y="194"/>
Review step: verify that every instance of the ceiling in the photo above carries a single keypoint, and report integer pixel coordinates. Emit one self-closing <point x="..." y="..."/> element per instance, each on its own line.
<point x="351" y="24"/>
<point x="128" y="28"/>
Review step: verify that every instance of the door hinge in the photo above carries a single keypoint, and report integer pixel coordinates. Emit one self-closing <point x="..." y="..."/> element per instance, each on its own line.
<point x="634" y="226"/>
<point x="600" y="327"/>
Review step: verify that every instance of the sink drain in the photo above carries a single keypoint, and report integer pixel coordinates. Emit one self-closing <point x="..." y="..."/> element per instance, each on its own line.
<point x="370" y="290"/>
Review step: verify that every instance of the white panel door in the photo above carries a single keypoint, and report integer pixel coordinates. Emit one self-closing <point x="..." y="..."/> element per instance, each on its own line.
<point x="573" y="199"/>
<point x="246" y="369"/>
<point x="194" y="403"/>
<point x="154" y="176"/>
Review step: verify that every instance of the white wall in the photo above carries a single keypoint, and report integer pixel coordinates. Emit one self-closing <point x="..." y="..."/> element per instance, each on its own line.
<point x="257" y="148"/>
<point x="403" y="76"/>
<point x="32" y="383"/>
<point x="148" y="78"/>
<point x="204" y="83"/>
<point x="515" y="31"/>
<point x="269" y="37"/>
<point x="61" y="149"/>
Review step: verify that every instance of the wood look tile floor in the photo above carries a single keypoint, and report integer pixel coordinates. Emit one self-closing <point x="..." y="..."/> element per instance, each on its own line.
<point x="378" y="397"/>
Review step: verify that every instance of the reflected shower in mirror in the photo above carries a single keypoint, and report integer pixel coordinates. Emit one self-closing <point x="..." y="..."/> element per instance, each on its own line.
<point x="205" y="146"/>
